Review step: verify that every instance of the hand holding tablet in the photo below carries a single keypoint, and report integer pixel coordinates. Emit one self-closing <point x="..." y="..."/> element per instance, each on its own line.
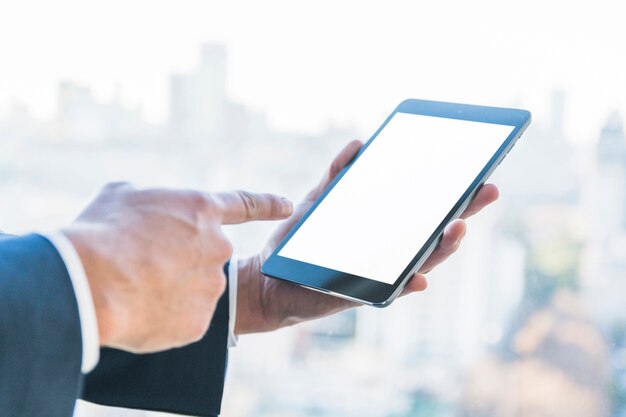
<point x="282" y="303"/>
<point x="383" y="215"/>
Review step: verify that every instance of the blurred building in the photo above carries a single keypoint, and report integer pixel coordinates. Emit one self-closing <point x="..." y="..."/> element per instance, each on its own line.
<point x="198" y="99"/>
<point x="611" y="179"/>
<point x="604" y="277"/>
<point x="21" y="126"/>
<point x="83" y="119"/>
<point x="542" y="166"/>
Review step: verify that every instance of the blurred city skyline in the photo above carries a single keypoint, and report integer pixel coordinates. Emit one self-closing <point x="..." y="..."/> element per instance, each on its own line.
<point x="547" y="256"/>
<point x="345" y="63"/>
<point x="533" y="300"/>
<point x="199" y="108"/>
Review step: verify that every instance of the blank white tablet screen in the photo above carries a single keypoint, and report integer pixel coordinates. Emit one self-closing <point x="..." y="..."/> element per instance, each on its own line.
<point x="384" y="209"/>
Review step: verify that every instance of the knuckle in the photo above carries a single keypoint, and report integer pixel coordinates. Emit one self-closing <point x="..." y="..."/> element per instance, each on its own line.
<point x="335" y="167"/>
<point x="203" y="204"/>
<point x="223" y="249"/>
<point x="218" y="284"/>
<point x="197" y="201"/>
<point x="213" y="283"/>
<point x="275" y="204"/>
<point x="249" y="202"/>
<point x="199" y="327"/>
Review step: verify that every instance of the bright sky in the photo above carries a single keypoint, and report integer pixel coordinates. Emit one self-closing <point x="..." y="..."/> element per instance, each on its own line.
<point x="310" y="63"/>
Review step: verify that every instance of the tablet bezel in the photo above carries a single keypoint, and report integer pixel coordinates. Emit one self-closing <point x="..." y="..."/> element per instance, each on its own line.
<point x="376" y="293"/>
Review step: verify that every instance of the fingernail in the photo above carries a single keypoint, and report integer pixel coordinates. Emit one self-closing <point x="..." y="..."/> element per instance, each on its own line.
<point x="287" y="206"/>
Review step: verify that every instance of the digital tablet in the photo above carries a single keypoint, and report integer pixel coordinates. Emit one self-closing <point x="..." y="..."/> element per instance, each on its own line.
<point x="383" y="215"/>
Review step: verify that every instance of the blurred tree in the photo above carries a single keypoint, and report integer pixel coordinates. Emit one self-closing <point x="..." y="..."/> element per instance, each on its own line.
<point x="558" y="367"/>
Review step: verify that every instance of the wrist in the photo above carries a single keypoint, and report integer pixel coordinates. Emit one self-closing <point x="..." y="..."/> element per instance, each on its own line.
<point x="252" y="308"/>
<point x="247" y="297"/>
<point x="95" y="265"/>
<point x="264" y="304"/>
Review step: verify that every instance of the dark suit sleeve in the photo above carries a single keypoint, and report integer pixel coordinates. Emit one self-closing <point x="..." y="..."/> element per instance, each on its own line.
<point x="188" y="380"/>
<point x="40" y="336"/>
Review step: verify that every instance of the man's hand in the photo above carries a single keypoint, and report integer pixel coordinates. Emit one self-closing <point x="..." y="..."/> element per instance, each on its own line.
<point x="265" y="304"/>
<point x="154" y="260"/>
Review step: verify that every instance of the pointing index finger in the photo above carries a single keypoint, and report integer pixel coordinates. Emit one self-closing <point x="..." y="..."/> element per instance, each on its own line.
<point x="243" y="206"/>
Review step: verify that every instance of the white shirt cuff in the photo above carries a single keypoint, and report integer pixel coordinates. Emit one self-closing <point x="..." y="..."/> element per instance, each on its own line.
<point x="86" y="309"/>
<point x="232" y="301"/>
